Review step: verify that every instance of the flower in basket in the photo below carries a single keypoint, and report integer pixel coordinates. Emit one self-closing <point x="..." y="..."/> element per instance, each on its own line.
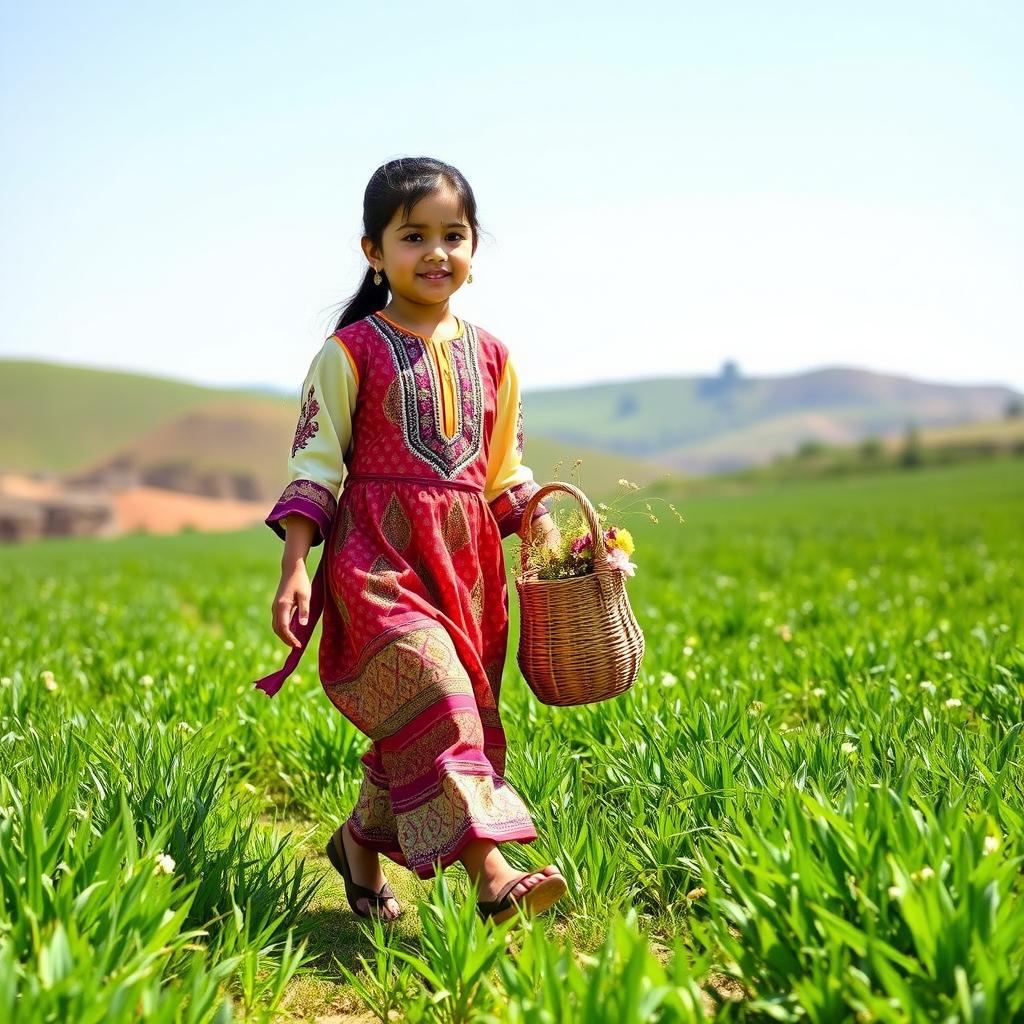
<point x="569" y="550"/>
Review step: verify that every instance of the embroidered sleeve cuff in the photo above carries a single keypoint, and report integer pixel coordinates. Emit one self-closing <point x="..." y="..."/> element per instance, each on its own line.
<point x="309" y="499"/>
<point x="509" y="506"/>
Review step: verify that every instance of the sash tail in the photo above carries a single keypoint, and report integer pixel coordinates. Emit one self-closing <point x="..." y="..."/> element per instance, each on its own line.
<point x="272" y="683"/>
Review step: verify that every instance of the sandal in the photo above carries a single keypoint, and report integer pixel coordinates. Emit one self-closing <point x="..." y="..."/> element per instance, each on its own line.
<point x="537" y="898"/>
<point x="353" y="890"/>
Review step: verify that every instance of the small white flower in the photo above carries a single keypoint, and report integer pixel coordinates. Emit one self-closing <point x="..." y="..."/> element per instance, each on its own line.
<point x="756" y="707"/>
<point x="953" y="702"/>
<point x="229" y="645"/>
<point x="6" y="681"/>
<point x="668" y="679"/>
<point x="818" y="691"/>
<point x="164" y="864"/>
<point x="895" y="892"/>
<point x="49" y="682"/>
<point x="687" y="650"/>
<point x="146" y="681"/>
<point x="848" y="748"/>
<point x="927" y="685"/>
<point x="185" y="727"/>
<point x="991" y="844"/>
<point x="927" y="872"/>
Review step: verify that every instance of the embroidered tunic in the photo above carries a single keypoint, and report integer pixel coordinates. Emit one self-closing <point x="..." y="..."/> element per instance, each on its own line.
<point x="428" y="438"/>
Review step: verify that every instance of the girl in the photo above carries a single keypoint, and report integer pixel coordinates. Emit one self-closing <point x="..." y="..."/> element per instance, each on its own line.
<point x="423" y="410"/>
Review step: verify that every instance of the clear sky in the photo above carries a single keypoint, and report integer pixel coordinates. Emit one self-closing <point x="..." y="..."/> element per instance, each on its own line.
<point x="663" y="186"/>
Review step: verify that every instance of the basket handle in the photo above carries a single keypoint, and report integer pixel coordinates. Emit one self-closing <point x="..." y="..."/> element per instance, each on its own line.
<point x="596" y="533"/>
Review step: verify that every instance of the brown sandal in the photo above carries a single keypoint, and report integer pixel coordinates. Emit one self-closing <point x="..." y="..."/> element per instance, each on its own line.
<point x="353" y="890"/>
<point x="536" y="899"/>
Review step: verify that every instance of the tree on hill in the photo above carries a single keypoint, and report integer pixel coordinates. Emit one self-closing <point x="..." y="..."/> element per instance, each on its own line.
<point x="912" y="452"/>
<point x="724" y="384"/>
<point x="1014" y="409"/>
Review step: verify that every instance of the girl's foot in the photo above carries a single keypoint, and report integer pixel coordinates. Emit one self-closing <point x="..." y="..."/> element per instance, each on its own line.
<point x="491" y="886"/>
<point x="365" y="867"/>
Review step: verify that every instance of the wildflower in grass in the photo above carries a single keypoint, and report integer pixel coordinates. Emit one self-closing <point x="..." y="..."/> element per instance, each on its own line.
<point x="991" y="844"/>
<point x="819" y="692"/>
<point x="695" y="894"/>
<point x="146" y="681"/>
<point x="927" y="685"/>
<point x="668" y="679"/>
<point x="756" y="707"/>
<point x="785" y="632"/>
<point x="164" y="864"/>
<point x="687" y="650"/>
<point x="6" y="681"/>
<point x="49" y="682"/>
<point x="185" y="727"/>
<point x="848" y="748"/>
<point x="923" y="875"/>
<point x="954" y="702"/>
<point x="895" y="892"/>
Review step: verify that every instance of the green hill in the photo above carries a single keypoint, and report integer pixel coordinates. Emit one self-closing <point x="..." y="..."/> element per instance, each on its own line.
<point x="77" y="420"/>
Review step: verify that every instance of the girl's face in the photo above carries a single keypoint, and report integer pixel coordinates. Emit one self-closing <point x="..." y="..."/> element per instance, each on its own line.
<point x="435" y="237"/>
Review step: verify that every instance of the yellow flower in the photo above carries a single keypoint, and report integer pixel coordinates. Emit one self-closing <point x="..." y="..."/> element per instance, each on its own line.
<point x="623" y="539"/>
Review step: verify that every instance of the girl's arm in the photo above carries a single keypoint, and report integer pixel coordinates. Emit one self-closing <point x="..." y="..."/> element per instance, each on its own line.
<point x="302" y="516"/>
<point x="510" y="483"/>
<point x="322" y="438"/>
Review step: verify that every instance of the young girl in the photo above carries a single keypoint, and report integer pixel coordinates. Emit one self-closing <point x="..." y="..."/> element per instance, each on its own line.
<point x="423" y="411"/>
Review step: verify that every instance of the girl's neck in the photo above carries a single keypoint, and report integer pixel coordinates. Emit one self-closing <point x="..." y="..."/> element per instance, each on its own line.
<point x="423" y="320"/>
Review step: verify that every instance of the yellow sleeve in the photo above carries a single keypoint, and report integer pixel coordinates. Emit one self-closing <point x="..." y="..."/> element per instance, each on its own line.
<point x="510" y="483"/>
<point x="322" y="438"/>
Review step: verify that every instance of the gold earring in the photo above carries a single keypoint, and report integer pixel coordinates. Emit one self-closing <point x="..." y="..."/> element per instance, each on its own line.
<point x="469" y="280"/>
<point x="376" y="277"/>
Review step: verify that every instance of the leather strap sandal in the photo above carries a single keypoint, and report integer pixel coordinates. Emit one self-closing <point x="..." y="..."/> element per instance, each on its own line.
<point x="353" y="890"/>
<point x="537" y="898"/>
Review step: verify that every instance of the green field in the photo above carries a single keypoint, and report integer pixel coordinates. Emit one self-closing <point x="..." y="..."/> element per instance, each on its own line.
<point x="809" y="808"/>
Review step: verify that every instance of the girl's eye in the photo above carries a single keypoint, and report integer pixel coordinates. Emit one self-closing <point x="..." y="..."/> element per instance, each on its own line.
<point x="416" y="234"/>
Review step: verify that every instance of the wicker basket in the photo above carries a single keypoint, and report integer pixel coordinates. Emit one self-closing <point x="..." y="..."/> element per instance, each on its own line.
<point x="579" y="642"/>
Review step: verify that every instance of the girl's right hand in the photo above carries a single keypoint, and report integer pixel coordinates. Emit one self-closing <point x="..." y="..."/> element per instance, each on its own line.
<point x="294" y="591"/>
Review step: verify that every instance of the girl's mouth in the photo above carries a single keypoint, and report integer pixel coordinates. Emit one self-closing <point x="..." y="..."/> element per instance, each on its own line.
<point x="435" y="275"/>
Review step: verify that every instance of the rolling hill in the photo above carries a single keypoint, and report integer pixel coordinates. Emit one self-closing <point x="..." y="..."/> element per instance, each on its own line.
<point x="234" y="442"/>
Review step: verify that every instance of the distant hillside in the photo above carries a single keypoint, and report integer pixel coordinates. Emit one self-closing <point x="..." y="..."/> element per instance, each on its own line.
<point x="234" y="442"/>
<point x="57" y="417"/>
<point x="713" y="424"/>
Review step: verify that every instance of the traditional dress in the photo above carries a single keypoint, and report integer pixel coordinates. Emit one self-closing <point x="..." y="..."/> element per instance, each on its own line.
<point x="411" y="583"/>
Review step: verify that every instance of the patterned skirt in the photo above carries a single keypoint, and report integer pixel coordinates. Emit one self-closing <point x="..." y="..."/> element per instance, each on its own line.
<point x="414" y="642"/>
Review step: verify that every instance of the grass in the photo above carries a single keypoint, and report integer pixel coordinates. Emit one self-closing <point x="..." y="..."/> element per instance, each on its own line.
<point x="809" y="807"/>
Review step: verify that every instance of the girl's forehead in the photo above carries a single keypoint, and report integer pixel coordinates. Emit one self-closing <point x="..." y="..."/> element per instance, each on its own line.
<point x="438" y="207"/>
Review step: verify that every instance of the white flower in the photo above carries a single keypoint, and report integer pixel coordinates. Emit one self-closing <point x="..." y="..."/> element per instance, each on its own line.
<point x="818" y="691"/>
<point x="146" y="681"/>
<point x="185" y="727"/>
<point x="164" y="864"/>
<point x="6" y="681"/>
<point x="991" y="844"/>
<point x="926" y="872"/>
<point x="668" y="679"/>
<point x="927" y="685"/>
<point x="953" y="702"/>
<point x="49" y="682"/>
<point x="895" y="892"/>
<point x="620" y="560"/>
<point x="848" y="748"/>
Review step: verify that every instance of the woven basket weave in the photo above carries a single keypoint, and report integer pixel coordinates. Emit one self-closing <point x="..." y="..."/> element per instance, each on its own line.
<point x="579" y="642"/>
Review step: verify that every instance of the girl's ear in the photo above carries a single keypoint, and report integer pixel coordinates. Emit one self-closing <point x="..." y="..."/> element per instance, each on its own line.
<point x="370" y="251"/>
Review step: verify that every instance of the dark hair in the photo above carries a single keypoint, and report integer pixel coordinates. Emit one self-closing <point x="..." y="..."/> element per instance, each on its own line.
<point x="402" y="182"/>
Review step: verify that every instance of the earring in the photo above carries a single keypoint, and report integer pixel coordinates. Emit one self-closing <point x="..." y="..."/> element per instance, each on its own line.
<point x="469" y="280"/>
<point x="376" y="277"/>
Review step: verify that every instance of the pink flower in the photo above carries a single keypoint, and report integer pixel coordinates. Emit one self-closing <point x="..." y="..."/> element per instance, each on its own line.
<point x="580" y="543"/>
<point x="620" y="560"/>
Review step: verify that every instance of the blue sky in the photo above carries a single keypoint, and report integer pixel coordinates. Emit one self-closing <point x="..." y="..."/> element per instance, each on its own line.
<point x="662" y="186"/>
